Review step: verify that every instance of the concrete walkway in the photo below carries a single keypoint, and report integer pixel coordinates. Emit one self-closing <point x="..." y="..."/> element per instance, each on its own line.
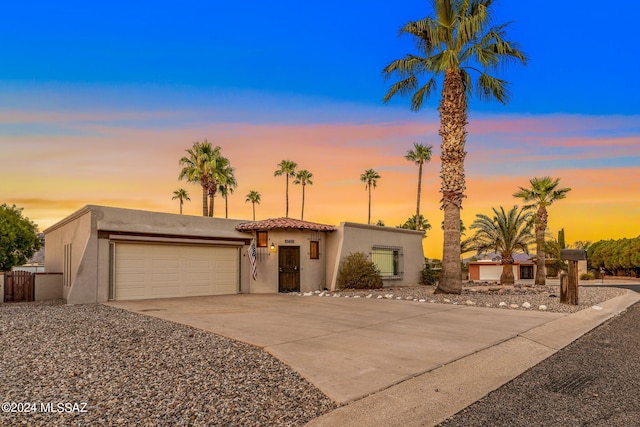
<point x="391" y="362"/>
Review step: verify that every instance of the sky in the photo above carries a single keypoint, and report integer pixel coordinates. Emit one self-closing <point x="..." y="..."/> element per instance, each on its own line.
<point x="100" y="100"/>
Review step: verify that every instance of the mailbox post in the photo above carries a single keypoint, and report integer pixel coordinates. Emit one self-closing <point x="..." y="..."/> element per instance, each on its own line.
<point x="569" y="282"/>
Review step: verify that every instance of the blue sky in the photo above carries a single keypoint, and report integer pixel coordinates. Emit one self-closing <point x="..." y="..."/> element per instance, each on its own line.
<point x="108" y="95"/>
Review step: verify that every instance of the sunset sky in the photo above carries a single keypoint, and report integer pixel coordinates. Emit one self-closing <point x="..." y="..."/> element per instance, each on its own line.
<point x="98" y="103"/>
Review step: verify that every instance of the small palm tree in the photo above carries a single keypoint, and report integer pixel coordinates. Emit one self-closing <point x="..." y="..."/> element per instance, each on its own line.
<point x="454" y="42"/>
<point x="505" y="233"/>
<point x="254" y="198"/>
<point x="370" y="178"/>
<point x="420" y="154"/>
<point x="542" y="193"/>
<point x="303" y="178"/>
<point x="412" y="224"/>
<point x="287" y="168"/>
<point x="196" y="168"/>
<point x="182" y="195"/>
<point x="226" y="186"/>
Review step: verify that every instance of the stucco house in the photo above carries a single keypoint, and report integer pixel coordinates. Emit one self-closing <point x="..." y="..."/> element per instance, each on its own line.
<point x="490" y="271"/>
<point x="107" y="253"/>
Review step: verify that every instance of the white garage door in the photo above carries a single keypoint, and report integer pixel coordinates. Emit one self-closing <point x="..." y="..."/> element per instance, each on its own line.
<point x="163" y="271"/>
<point x="492" y="273"/>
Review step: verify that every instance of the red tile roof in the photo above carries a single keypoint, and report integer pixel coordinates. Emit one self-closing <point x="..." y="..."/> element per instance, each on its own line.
<point x="284" y="223"/>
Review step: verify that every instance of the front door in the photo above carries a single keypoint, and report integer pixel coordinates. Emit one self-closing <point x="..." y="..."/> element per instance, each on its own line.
<point x="289" y="268"/>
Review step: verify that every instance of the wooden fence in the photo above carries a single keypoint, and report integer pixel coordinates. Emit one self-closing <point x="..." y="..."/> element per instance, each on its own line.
<point x="18" y="286"/>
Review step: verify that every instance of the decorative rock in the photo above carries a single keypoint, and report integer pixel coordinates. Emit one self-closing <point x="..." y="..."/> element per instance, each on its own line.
<point x="422" y="300"/>
<point x="369" y="296"/>
<point x="356" y="296"/>
<point x="446" y="300"/>
<point x="380" y="297"/>
<point x="542" y="308"/>
<point x="502" y="304"/>
<point x="596" y="307"/>
<point x="469" y="302"/>
<point x="307" y="294"/>
<point x="526" y="305"/>
<point x="398" y="297"/>
<point x="514" y="306"/>
<point x="432" y="301"/>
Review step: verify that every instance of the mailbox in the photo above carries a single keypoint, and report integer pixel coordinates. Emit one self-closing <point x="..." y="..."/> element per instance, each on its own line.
<point x="573" y="254"/>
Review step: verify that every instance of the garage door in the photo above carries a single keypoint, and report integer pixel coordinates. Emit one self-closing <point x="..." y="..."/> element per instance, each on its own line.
<point x="163" y="271"/>
<point x="492" y="273"/>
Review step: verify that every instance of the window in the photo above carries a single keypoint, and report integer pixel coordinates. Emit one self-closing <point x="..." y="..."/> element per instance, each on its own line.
<point x="262" y="239"/>
<point x="66" y="267"/>
<point x="387" y="259"/>
<point x="314" y="249"/>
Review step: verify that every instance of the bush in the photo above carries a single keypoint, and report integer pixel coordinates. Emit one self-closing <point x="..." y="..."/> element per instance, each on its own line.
<point x="587" y="276"/>
<point x="429" y="276"/>
<point x="357" y="272"/>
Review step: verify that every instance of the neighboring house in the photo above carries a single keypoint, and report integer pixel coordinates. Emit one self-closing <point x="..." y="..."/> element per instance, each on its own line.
<point x="107" y="253"/>
<point x="490" y="271"/>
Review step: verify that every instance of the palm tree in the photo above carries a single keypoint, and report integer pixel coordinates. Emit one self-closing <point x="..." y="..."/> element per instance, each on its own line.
<point x="412" y="224"/>
<point x="303" y="178"/>
<point x="218" y="170"/>
<point x="181" y="194"/>
<point x="420" y="154"/>
<point x="288" y="168"/>
<point x="454" y="42"/>
<point x="227" y="186"/>
<point x="542" y="193"/>
<point x="254" y="198"/>
<point x="370" y="178"/>
<point x="506" y="233"/>
<point x="196" y="168"/>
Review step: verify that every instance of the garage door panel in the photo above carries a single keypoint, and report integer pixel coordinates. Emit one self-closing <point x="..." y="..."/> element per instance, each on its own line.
<point x="162" y="271"/>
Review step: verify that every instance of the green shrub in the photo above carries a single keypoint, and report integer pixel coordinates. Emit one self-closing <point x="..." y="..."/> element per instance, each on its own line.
<point x="429" y="276"/>
<point x="587" y="276"/>
<point x="357" y="272"/>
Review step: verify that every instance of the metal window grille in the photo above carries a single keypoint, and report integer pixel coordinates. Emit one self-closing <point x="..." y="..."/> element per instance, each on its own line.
<point x="388" y="259"/>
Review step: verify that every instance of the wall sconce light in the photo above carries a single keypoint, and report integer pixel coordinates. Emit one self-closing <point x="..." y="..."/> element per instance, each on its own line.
<point x="272" y="248"/>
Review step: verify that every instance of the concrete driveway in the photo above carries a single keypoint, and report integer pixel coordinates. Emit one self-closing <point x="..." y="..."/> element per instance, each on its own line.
<point x="348" y="348"/>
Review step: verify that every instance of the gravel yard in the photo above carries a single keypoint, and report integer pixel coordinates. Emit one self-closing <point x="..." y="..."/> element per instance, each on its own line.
<point x="132" y="369"/>
<point x="487" y="295"/>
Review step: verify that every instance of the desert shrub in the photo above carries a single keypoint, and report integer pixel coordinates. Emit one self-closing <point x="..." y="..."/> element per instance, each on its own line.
<point x="429" y="276"/>
<point x="587" y="276"/>
<point x="356" y="271"/>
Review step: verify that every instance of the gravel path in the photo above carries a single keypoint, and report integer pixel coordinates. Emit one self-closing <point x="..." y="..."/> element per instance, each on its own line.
<point x="487" y="295"/>
<point x="132" y="369"/>
<point x="594" y="381"/>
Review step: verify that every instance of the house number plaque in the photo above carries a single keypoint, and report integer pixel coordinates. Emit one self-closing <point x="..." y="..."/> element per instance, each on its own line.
<point x="289" y="241"/>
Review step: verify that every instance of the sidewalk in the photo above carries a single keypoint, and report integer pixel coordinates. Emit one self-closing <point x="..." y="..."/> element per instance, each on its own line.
<point x="430" y="398"/>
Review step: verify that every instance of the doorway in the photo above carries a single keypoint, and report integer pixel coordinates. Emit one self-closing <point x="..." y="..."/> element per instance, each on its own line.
<point x="289" y="269"/>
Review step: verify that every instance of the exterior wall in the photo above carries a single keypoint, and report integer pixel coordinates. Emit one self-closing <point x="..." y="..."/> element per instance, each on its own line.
<point x="352" y="237"/>
<point x="90" y="262"/>
<point x="475" y="267"/>
<point x="312" y="271"/>
<point x="47" y="286"/>
<point x="1" y="287"/>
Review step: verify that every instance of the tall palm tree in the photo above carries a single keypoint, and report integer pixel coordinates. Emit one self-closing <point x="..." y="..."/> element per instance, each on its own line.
<point x="456" y="40"/>
<point x="218" y="170"/>
<point x="287" y="168"/>
<point x="182" y="195"/>
<point x="506" y="233"/>
<point x="254" y="198"/>
<point x="227" y="186"/>
<point x="196" y="168"/>
<point x="412" y="224"/>
<point x="370" y="178"/>
<point x="303" y="178"/>
<point x="420" y="154"/>
<point x="542" y="193"/>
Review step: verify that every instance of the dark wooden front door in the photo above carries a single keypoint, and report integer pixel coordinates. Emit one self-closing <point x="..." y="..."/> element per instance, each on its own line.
<point x="289" y="267"/>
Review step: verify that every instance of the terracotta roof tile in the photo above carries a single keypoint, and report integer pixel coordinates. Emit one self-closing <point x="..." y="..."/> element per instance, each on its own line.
<point x="283" y="223"/>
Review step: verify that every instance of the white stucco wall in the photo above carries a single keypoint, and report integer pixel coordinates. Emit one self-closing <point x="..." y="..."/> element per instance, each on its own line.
<point x="352" y="237"/>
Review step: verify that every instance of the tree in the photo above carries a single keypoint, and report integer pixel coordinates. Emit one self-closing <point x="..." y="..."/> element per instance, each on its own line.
<point x="226" y="186"/>
<point x="220" y="172"/>
<point x="182" y="195"/>
<point x="542" y="193"/>
<point x="253" y="197"/>
<point x="412" y="224"/>
<point x="303" y="178"/>
<point x="196" y="169"/>
<point x="287" y="168"/>
<point x="370" y="178"/>
<point x="505" y="233"/>
<point x="420" y="154"/>
<point x="456" y="40"/>
<point x="18" y="237"/>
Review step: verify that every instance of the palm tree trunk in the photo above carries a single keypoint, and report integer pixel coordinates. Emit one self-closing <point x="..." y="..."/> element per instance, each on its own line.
<point x="254" y="210"/>
<point x="541" y="226"/>
<point x="419" y="191"/>
<point x="369" y="215"/>
<point x="205" y="194"/>
<point x="507" y="277"/>
<point x="181" y="206"/>
<point x="286" y="212"/>
<point x="226" y="206"/>
<point x="302" y="215"/>
<point x="211" y="196"/>
<point x="453" y="119"/>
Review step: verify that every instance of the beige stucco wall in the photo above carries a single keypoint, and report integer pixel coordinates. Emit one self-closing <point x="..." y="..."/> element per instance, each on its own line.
<point x="91" y="255"/>
<point x="47" y="286"/>
<point x="312" y="271"/>
<point x="353" y="237"/>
